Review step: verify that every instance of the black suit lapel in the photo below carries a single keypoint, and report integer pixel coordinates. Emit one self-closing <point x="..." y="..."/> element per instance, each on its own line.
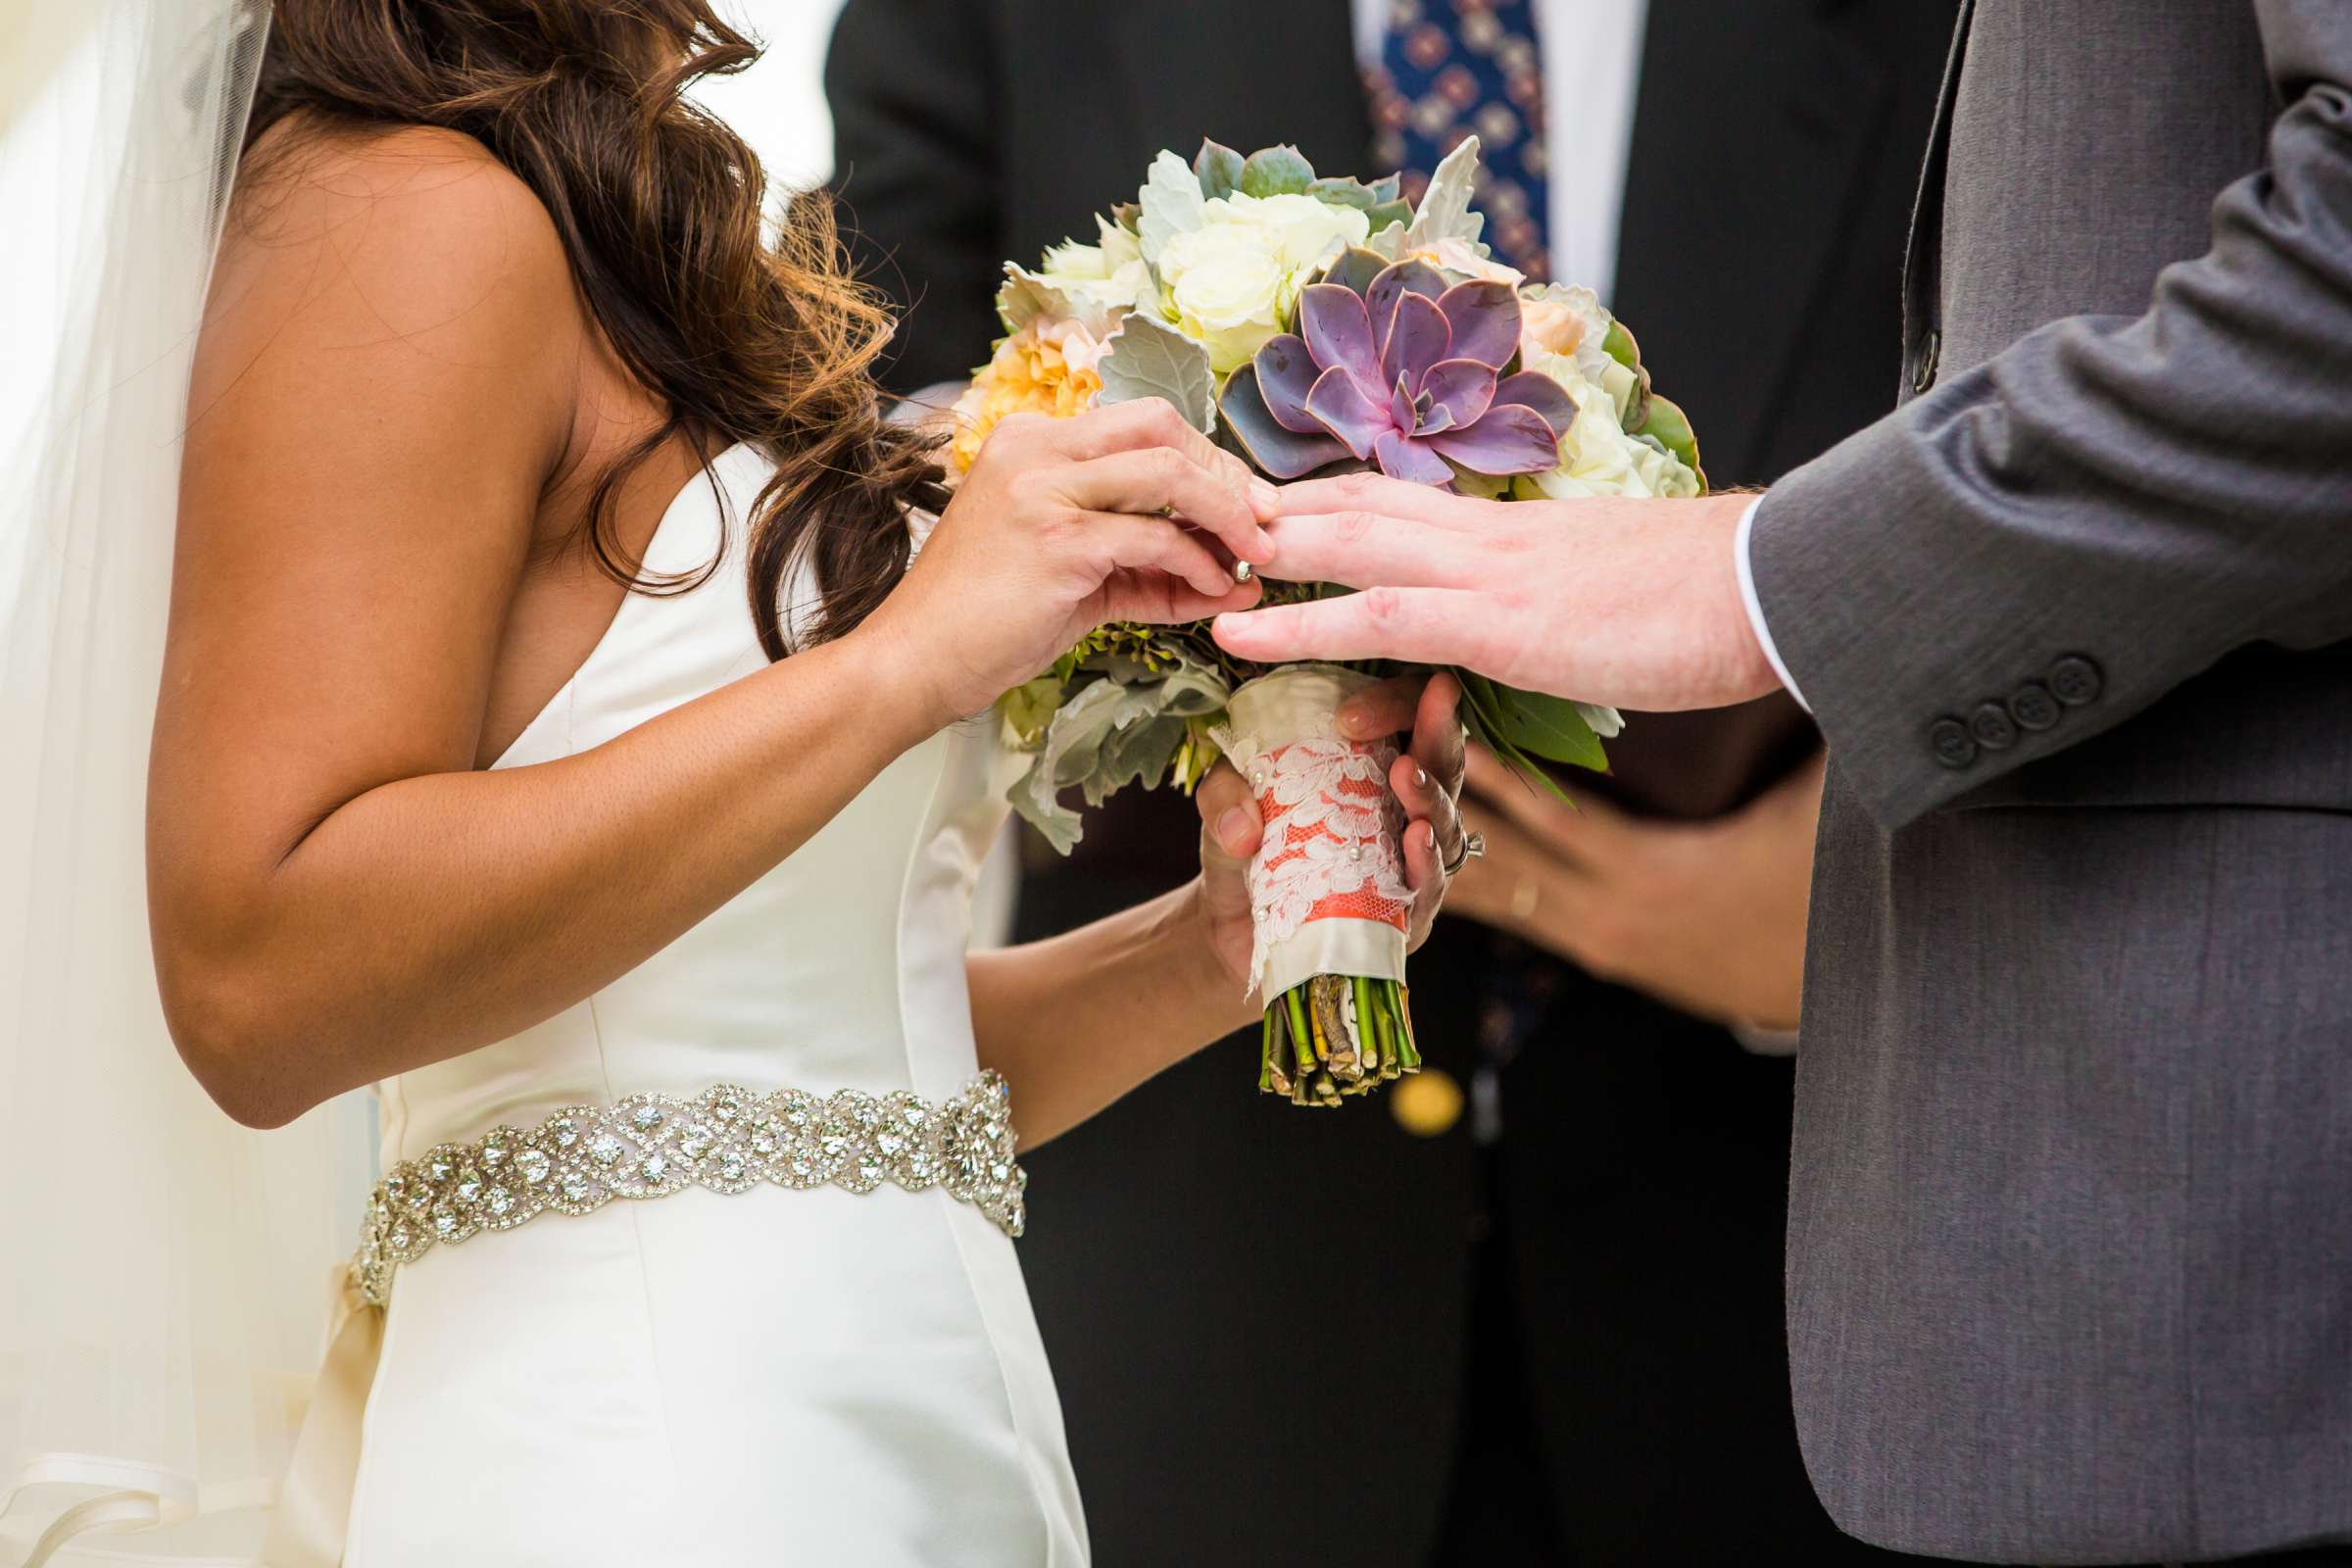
<point x="1734" y="95"/>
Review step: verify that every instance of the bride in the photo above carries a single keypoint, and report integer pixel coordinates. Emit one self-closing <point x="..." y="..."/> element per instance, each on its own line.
<point x="561" y="732"/>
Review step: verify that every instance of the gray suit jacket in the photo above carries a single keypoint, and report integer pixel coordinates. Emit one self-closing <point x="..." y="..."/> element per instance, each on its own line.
<point x="2070" y="1269"/>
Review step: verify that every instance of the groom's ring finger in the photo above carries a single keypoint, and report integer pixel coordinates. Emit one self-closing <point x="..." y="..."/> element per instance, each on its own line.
<point x="1365" y="548"/>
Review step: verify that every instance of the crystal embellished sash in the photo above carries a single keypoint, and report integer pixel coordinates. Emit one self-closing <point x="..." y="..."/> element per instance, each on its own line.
<point x="726" y="1139"/>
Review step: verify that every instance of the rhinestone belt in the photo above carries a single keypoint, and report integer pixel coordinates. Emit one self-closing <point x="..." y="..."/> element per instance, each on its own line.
<point x="726" y="1139"/>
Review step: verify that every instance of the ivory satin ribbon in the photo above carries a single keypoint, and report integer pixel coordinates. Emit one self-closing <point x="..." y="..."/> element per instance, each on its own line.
<point x="147" y="1497"/>
<point x="313" y="1516"/>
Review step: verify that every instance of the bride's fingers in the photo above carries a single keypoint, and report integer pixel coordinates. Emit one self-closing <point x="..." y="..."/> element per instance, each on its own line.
<point x="1161" y="479"/>
<point x="1147" y="422"/>
<point x="1160" y="600"/>
<point x="1116" y="539"/>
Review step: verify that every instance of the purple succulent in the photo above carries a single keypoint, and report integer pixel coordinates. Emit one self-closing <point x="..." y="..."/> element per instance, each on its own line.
<point x="1406" y="372"/>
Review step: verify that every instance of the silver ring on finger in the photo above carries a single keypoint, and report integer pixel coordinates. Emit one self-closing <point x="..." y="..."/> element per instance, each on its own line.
<point x="1474" y="847"/>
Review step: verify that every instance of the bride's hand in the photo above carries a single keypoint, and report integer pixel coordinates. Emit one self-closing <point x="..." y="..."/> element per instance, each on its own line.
<point x="1124" y="512"/>
<point x="1427" y="778"/>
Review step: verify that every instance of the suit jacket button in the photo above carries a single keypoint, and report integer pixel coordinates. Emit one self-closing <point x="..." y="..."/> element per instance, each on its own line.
<point x="2076" y="680"/>
<point x="1993" y="727"/>
<point x="1951" y="742"/>
<point x="2032" y="707"/>
<point x="1923" y="369"/>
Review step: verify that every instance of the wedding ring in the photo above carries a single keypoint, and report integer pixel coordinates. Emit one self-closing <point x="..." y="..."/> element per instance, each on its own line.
<point x="1474" y="847"/>
<point x="1242" y="572"/>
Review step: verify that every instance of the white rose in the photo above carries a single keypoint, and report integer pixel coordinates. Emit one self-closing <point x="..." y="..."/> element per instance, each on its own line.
<point x="1305" y="231"/>
<point x="1226" y="286"/>
<point x="1596" y="457"/>
<point x="1112" y="278"/>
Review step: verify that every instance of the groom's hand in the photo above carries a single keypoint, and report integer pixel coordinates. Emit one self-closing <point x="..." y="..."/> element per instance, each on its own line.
<point x="1634" y="603"/>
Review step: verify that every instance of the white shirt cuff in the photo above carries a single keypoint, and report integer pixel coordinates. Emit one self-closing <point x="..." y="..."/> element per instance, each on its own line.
<point x="1755" y="606"/>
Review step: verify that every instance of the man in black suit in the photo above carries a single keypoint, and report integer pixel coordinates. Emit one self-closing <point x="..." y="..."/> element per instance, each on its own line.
<point x="1570" y="1344"/>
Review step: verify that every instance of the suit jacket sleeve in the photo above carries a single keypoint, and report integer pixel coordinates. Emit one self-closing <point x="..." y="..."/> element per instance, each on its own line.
<point x="2146" y="493"/>
<point x="915" y="171"/>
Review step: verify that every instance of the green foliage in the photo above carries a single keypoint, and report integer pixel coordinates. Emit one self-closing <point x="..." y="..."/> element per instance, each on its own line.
<point x="1219" y="167"/>
<point x="1666" y="426"/>
<point x="1620" y="346"/>
<point x="1276" y="172"/>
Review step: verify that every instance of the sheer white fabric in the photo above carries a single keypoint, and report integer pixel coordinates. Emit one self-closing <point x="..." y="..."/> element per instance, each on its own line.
<point x="163" y="1271"/>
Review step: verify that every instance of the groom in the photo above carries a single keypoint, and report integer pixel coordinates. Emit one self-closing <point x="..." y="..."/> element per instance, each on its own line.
<point x="2069" y="1274"/>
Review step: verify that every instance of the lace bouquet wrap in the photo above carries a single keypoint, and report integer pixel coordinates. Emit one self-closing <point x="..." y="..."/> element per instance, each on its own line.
<point x="1311" y="325"/>
<point x="1328" y="901"/>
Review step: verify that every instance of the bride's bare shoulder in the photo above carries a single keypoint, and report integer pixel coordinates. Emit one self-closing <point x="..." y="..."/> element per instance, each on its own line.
<point x="415" y="232"/>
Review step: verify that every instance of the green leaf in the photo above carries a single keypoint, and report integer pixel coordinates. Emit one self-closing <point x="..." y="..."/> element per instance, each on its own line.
<point x="1549" y="727"/>
<point x="1444" y="211"/>
<point x="1670" y="428"/>
<point x="1391" y="212"/>
<point x="1150" y="359"/>
<point x="1219" y="167"/>
<point x="1276" y="172"/>
<point x="1341" y="192"/>
<point x="1171" y="205"/>
<point x="1620" y="346"/>
<point x="1385" y="188"/>
<point x="1484" y="728"/>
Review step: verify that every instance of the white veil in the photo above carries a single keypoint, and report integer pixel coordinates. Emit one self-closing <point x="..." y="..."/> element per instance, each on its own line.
<point x="163" y="1271"/>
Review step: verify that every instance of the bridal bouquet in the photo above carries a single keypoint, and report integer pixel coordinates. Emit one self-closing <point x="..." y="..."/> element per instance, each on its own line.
<point x="1312" y="326"/>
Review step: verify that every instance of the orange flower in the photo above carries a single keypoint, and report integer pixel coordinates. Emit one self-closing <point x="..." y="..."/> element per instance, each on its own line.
<point x="1047" y="368"/>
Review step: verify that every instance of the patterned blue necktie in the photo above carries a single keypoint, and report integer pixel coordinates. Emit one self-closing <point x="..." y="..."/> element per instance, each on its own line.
<point x="1449" y="67"/>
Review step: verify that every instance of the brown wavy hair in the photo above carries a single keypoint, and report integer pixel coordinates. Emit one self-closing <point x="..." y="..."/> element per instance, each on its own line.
<point x="659" y="206"/>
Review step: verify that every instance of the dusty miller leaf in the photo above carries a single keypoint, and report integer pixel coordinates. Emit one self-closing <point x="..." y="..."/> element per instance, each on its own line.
<point x="1150" y="359"/>
<point x="1444" y="211"/>
<point x="1171" y="205"/>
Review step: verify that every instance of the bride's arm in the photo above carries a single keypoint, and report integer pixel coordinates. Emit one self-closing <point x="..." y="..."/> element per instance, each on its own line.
<point x="388" y="383"/>
<point x="1075" y="1021"/>
<point x="388" y="377"/>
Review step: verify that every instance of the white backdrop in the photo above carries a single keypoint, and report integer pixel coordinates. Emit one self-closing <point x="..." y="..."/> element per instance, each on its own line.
<point x="778" y="106"/>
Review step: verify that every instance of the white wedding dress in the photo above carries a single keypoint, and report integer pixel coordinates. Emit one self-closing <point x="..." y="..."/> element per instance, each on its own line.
<point x="774" y="1376"/>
